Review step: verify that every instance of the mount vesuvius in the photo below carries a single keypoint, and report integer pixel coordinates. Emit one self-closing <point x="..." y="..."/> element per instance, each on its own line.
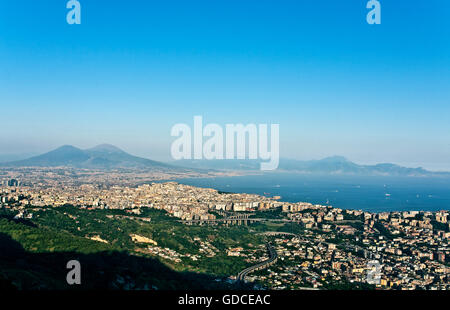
<point x="103" y="156"/>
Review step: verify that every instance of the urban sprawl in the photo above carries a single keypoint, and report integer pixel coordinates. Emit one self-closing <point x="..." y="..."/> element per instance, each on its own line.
<point x="389" y="250"/>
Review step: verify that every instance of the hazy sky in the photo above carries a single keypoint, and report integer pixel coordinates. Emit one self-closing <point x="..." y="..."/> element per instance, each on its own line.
<point x="133" y="69"/>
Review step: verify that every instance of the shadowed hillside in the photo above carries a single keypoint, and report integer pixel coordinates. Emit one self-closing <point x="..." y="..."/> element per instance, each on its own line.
<point x="20" y="269"/>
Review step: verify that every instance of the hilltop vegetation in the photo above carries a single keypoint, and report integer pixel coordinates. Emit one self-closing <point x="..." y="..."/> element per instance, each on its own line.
<point x="102" y="241"/>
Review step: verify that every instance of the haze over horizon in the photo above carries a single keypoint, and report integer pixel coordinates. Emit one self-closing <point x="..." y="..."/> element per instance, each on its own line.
<point x="109" y="149"/>
<point x="128" y="73"/>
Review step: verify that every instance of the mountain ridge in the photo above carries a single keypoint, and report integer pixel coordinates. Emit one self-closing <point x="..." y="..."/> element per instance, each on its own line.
<point x="326" y="166"/>
<point x="103" y="156"/>
<point x="107" y="156"/>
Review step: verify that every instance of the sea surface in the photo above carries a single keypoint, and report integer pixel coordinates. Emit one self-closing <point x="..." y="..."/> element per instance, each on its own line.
<point x="374" y="194"/>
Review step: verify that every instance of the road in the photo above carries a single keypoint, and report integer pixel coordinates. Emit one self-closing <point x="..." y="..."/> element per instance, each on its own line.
<point x="273" y="256"/>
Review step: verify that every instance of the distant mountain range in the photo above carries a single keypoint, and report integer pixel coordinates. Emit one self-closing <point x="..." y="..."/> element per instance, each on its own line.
<point x="336" y="165"/>
<point x="103" y="156"/>
<point x="107" y="157"/>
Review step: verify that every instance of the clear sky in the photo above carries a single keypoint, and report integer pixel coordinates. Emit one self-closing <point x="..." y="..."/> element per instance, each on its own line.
<point x="133" y="69"/>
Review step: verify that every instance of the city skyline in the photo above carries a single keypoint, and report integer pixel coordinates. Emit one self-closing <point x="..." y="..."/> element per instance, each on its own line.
<point x="128" y="73"/>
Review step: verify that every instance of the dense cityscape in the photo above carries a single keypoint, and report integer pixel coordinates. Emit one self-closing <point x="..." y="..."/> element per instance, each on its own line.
<point x="315" y="246"/>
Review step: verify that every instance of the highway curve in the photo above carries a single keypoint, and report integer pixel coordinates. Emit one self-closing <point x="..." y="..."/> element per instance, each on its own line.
<point x="273" y="256"/>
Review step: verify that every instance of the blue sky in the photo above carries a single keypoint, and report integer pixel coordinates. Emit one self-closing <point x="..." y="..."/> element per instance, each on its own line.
<point x="133" y="69"/>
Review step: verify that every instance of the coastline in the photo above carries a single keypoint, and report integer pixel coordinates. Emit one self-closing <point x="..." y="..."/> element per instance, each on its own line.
<point x="374" y="194"/>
